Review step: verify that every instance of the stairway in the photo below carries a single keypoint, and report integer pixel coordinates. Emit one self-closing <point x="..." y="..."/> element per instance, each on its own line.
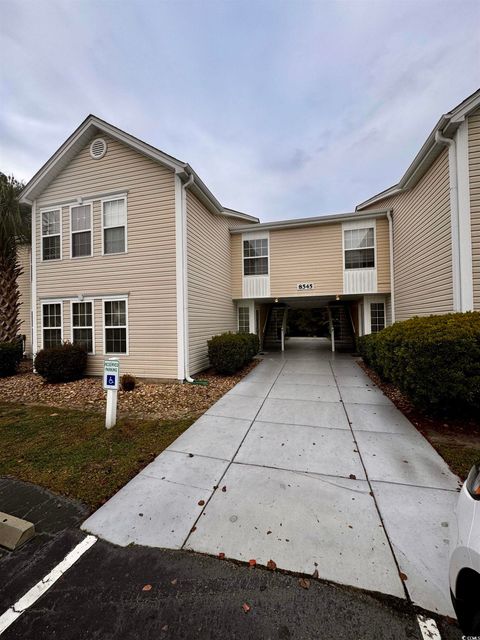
<point x="272" y="338"/>
<point x="339" y="313"/>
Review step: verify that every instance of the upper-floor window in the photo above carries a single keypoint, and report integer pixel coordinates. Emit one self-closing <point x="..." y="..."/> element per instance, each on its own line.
<point x="255" y="257"/>
<point x="359" y="245"/>
<point x="82" y="324"/>
<point x="114" y="219"/>
<point x="52" y="326"/>
<point x="377" y="316"/>
<point x="115" y="326"/>
<point x="51" y="235"/>
<point x="81" y="226"/>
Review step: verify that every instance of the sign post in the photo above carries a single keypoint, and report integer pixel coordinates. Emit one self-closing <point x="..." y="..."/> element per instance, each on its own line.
<point x="111" y="379"/>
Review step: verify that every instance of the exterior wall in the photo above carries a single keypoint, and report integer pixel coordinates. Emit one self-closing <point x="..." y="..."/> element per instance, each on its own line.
<point x="423" y="244"/>
<point x="146" y="273"/>
<point x="211" y="309"/>
<point x="25" y="290"/>
<point x="383" y="256"/>
<point x="474" y="178"/>
<point x="236" y="265"/>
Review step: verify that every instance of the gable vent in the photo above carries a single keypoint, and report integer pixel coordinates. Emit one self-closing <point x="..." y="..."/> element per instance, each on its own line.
<point x="98" y="148"/>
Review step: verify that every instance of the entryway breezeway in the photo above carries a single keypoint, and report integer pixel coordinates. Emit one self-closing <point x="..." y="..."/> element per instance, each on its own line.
<point x="306" y="463"/>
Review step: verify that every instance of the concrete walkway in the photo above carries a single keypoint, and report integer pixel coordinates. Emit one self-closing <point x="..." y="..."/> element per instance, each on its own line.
<point x="307" y="463"/>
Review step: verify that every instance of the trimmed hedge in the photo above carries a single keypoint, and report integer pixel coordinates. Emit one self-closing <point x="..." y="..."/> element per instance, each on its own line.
<point x="229" y="352"/>
<point x="61" y="364"/>
<point x="11" y="354"/>
<point x="434" y="360"/>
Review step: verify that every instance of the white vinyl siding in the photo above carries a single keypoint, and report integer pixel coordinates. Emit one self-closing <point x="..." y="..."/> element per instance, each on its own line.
<point x="82" y="325"/>
<point x="52" y="324"/>
<point x="51" y="230"/>
<point x="81" y="230"/>
<point x="114" y="220"/>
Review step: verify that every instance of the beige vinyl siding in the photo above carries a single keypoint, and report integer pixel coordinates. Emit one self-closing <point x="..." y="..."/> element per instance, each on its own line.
<point x="474" y="177"/>
<point x="423" y="244"/>
<point x="147" y="273"/>
<point x="25" y="299"/>
<point x="236" y="265"/>
<point x="210" y="306"/>
<point x="382" y="257"/>
<point x="306" y="254"/>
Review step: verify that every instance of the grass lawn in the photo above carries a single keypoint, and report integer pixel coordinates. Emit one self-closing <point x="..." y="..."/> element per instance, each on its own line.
<point x="71" y="453"/>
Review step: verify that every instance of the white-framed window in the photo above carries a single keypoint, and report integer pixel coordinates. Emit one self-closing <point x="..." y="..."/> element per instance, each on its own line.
<point x="359" y="248"/>
<point x="243" y="320"/>
<point x="255" y="257"/>
<point x="81" y="231"/>
<point x="52" y="324"/>
<point x="82" y="325"/>
<point x="377" y="316"/>
<point x="114" y="225"/>
<point x="115" y="323"/>
<point x="51" y="234"/>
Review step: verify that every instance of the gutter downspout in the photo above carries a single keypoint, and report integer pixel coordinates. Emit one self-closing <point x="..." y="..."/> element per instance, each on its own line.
<point x="185" y="186"/>
<point x="453" y="179"/>
<point x="33" y="283"/>
<point x="392" y="275"/>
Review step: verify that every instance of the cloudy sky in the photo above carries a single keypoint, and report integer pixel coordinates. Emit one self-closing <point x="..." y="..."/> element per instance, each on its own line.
<point x="286" y="108"/>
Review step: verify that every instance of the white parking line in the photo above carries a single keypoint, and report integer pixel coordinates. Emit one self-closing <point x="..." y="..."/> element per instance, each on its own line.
<point x="44" y="585"/>
<point x="429" y="628"/>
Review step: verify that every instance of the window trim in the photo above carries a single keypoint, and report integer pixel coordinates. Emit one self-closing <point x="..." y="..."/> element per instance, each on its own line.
<point x="118" y="196"/>
<point x="247" y="238"/>
<point x="72" y="206"/>
<point x="49" y="210"/>
<point x="352" y="227"/>
<point x="62" y="323"/>
<point x="115" y="299"/>
<point x="72" y="302"/>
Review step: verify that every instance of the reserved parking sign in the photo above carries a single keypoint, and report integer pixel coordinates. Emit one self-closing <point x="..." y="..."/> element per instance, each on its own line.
<point x="111" y="374"/>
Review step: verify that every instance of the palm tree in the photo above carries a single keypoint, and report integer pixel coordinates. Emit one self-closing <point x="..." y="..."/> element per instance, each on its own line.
<point x="15" y="223"/>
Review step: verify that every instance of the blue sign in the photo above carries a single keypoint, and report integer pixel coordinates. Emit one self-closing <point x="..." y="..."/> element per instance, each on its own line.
<point x="111" y="381"/>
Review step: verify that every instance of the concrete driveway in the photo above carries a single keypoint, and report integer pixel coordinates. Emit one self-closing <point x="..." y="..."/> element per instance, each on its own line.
<point x="307" y="463"/>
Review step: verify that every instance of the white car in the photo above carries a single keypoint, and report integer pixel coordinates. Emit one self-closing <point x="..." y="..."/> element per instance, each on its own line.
<point x="465" y="557"/>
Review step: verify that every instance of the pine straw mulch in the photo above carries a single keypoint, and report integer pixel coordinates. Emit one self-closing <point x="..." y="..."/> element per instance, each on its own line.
<point x="457" y="440"/>
<point x="147" y="400"/>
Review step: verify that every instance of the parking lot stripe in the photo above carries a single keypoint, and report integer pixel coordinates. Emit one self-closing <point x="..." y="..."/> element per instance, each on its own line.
<point x="429" y="628"/>
<point x="26" y="601"/>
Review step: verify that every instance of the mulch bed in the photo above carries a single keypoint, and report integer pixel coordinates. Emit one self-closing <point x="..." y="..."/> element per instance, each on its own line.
<point x="444" y="433"/>
<point x="147" y="400"/>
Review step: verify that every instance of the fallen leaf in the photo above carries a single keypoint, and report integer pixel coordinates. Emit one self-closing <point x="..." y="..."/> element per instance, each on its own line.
<point x="174" y="581"/>
<point x="165" y="627"/>
<point x="352" y="476"/>
<point x="403" y="576"/>
<point x="268" y="533"/>
<point x="315" y="574"/>
<point x="147" y="587"/>
<point x="271" y="565"/>
<point x="221" y="555"/>
<point x="224" y="489"/>
<point x="246" y="607"/>
<point x="201" y="503"/>
<point x="304" y="583"/>
<point x="252" y="563"/>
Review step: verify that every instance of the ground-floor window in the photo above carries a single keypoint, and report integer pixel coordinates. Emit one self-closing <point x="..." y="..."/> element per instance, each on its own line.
<point x="82" y="324"/>
<point x="51" y="324"/>
<point x="377" y="316"/>
<point x="243" y="320"/>
<point x="115" y="323"/>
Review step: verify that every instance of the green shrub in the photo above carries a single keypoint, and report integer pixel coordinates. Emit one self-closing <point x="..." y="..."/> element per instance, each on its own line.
<point x="128" y="382"/>
<point x="433" y="360"/>
<point x="61" y="364"/>
<point x="10" y="357"/>
<point x="229" y="352"/>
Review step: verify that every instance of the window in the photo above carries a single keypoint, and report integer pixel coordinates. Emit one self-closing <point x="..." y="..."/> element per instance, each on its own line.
<point x="243" y="320"/>
<point x="115" y="319"/>
<point x="51" y="235"/>
<point x="82" y="324"/>
<point x="359" y="248"/>
<point x="255" y="257"/>
<point x="52" y="324"/>
<point x="377" y="316"/>
<point x="114" y="214"/>
<point x="81" y="221"/>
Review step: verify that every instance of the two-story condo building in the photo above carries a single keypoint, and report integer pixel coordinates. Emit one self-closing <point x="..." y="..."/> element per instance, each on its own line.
<point x="134" y="257"/>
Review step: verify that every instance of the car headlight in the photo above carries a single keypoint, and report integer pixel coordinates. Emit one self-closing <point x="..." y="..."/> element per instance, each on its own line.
<point x="473" y="481"/>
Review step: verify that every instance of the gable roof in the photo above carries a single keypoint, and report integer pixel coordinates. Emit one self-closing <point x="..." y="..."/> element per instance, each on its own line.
<point x="93" y="126"/>
<point x="430" y="150"/>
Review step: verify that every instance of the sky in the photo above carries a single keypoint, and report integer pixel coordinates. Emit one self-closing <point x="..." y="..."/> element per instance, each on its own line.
<point x="285" y="108"/>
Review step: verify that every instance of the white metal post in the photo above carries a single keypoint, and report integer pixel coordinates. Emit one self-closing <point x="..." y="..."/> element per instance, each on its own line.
<point x="111" y="414"/>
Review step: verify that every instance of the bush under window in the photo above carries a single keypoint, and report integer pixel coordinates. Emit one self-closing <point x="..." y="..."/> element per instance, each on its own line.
<point x="10" y="356"/>
<point x="434" y="360"/>
<point x="64" y="363"/>
<point x="229" y="352"/>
